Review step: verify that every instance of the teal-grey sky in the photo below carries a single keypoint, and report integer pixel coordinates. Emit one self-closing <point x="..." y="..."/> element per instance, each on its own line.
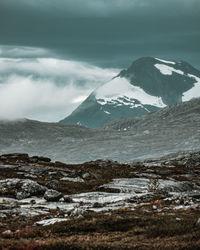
<point x="108" y="33"/>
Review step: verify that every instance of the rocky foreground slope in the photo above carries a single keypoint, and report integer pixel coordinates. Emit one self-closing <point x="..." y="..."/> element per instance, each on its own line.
<point x="100" y="204"/>
<point x="172" y="129"/>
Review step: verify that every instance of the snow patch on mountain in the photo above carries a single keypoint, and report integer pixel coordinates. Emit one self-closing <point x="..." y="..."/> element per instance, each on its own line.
<point x="164" y="61"/>
<point x="167" y="70"/>
<point x="193" y="92"/>
<point x="108" y="113"/>
<point x="119" y="91"/>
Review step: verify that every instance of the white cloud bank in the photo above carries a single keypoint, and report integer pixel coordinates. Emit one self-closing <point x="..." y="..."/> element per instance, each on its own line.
<point x="45" y="89"/>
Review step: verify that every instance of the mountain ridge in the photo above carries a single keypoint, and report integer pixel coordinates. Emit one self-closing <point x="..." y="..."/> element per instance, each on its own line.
<point x="125" y="140"/>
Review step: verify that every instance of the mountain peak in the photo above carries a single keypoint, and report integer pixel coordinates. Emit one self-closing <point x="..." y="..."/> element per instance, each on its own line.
<point x="147" y="85"/>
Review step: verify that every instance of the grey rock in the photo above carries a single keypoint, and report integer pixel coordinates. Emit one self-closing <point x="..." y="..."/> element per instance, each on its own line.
<point x="172" y="186"/>
<point x="54" y="184"/>
<point x="86" y="176"/>
<point x="164" y="172"/>
<point x="91" y="175"/>
<point x="21" y="189"/>
<point x="198" y="223"/>
<point x="77" y="179"/>
<point x="96" y="176"/>
<point x="52" y="195"/>
<point x="2" y="216"/>
<point x="194" y="195"/>
<point x="7" y="206"/>
<point x="68" y="199"/>
<point x="33" y="159"/>
<point x="44" y="159"/>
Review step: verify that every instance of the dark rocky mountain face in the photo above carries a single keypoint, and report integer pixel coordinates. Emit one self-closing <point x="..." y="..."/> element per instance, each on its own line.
<point x="148" y="85"/>
<point x="166" y="79"/>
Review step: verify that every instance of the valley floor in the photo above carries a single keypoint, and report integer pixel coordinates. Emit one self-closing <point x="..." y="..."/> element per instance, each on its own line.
<point x="101" y="204"/>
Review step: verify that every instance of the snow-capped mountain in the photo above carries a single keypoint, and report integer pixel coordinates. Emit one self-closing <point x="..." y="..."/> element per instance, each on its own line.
<point x="149" y="84"/>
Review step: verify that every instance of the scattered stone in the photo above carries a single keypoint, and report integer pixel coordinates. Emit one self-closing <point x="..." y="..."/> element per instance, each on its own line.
<point x="96" y="176"/>
<point x="54" y="184"/>
<point x="165" y="172"/>
<point x="8" y="206"/>
<point x="2" y="216"/>
<point x="91" y="176"/>
<point x="32" y="202"/>
<point x="98" y="205"/>
<point x="154" y="207"/>
<point x="8" y="234"/>
<point x="77" y="212"/>
<point x="33" y="159"/>
<point x="52" y="195"/>
<point x="86" y="176"/>
<point x="68" y="199"/>
<point x="50" y="221"/>
<point x="77" y="179"/>
<point x="44" y="159"/>
<point x="198" y="223"/>
<point x="59" y="164"/>
<point x="104" y="163"/>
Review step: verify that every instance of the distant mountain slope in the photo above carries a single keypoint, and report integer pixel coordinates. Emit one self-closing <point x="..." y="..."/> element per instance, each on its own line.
<point x="172" y="129"/>
<point x="148" y="85"/>
<point x="174" y="115"/>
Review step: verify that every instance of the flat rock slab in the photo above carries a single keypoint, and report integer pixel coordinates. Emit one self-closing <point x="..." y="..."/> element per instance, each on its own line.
<point x="140" y="185"/>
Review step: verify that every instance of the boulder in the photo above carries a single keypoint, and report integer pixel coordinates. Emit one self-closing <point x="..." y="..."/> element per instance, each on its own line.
<point x="52" y="195"/>
<point x="68" y="199"/>
<point x="21" y="189"/>
<point x="54" y="184"/>
<point x="91" y="176"/>
<point x="44" y="159"/>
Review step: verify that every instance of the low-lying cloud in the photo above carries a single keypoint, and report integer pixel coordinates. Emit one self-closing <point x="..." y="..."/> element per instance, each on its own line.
<point x="43" y="88"/>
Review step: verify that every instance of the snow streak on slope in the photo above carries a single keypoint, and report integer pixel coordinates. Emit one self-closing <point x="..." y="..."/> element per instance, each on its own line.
<point x="120" y="88"/>
<point x="167" y="70"/>
<point x="164" y="61"/>
<point x="193" y="92"/>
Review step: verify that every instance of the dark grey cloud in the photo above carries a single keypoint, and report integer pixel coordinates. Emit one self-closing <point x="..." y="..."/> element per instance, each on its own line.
<point x="105" y="32"/>
<point x="94" y="8"/>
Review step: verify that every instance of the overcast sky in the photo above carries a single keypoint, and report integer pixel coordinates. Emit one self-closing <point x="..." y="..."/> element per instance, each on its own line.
<point x="106" y="32"/>
<point x="95" y="34"/>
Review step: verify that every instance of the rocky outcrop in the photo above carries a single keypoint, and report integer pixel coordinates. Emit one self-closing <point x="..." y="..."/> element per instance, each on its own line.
<point x="21" y="189"/>
<point x="65" y="191"/>
<point x="23" y="158"/>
